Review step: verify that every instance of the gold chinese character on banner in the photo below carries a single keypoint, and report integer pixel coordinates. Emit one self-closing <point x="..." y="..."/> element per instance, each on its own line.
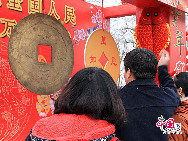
<point x="0" y="3"/>
<point x="176" y="16"/>
<point x="9" y="26"/>
<point x="69" y="15"/>
<point x="15" y="5"/>
<point x="34" y="6"/>
<point x="53" y="11"/>
<point x="179" y="40"/>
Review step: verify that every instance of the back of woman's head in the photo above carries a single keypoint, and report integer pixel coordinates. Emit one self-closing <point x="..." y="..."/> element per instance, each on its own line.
<point x="92" y="91"/>
<point x="181" y="80"/>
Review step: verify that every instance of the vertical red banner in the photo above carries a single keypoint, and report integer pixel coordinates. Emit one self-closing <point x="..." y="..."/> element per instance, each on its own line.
<point x="177" y="47"/>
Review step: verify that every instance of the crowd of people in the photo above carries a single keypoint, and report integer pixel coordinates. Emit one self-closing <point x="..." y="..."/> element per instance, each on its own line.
<point x="91" y="107"/>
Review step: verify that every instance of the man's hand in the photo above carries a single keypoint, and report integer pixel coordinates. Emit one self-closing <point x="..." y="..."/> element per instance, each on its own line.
<point x="164" y="58"/>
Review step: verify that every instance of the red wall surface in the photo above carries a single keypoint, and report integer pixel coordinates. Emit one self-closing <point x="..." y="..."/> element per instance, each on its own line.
<point x="20" y="108"/>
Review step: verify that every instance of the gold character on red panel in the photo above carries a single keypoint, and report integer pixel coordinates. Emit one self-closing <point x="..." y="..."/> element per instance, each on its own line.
<point x="177" y="14"/>
<point x="53" y="10"/>
<point x="15" y="5"/>
<point x="179" y="40"/>
<point x="34" y="6"/>
<point x="9" y="26"/>
<point x="70" y="15"/>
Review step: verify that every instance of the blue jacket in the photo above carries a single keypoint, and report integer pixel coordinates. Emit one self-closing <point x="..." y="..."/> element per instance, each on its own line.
<point x="144" y="102"/>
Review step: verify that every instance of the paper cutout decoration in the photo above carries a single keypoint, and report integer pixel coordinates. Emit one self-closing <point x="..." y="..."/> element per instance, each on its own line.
<point x="152" y="32"/>
<point x="101" y="51"/>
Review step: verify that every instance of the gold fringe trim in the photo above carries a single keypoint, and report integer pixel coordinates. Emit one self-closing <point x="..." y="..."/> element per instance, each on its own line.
<point x="169" y="36"/>
<point x="135" y="37"/>
<point x="138" y="43"/>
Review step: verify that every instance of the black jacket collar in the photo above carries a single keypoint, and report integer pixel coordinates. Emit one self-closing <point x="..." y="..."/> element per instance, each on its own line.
<point x="142" y="82"/>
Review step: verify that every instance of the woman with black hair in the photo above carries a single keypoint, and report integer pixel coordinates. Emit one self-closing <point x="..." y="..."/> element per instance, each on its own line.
<point x="89" y="108"/>
<point x="181" y="114"/>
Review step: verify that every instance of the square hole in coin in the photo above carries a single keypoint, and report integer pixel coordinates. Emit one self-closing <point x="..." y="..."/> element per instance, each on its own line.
<point x="44" y="53"/>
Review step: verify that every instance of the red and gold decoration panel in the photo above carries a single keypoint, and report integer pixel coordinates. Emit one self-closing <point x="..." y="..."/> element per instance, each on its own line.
<point x="20" y="108"/>
<point x="156" y="29"/>
<point x="101" y="51"/>
<point x="178" y="44"/>
<point x="162" y="30"/>
<point x="152" y="31"/>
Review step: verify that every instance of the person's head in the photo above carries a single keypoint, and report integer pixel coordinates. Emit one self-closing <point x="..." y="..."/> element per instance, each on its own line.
<point x="181" y="83"/>
<point x="92" y="91"/>
<point x="140" y="63"/>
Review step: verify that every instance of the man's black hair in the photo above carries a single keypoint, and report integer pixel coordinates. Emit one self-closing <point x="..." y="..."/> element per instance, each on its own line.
<point x="181" y="80"/>
<point x="142" y="63"/>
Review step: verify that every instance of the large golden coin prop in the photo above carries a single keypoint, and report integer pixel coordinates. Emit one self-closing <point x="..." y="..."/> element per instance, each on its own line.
<point x="40" y="77"/>
<point x="101" y="51"/>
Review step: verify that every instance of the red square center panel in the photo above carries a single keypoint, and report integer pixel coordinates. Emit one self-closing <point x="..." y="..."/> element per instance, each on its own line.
<point x="44" y="53"/>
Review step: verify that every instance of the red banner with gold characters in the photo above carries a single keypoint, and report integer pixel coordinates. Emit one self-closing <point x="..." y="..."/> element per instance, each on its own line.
<point x="178" y="41"/>
<point x="20" y="108"/>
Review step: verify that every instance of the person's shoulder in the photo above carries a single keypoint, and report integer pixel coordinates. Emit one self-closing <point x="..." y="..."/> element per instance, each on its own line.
<point x="43" y="121"/>
<point x="168" y="92"/>
<point x="45" y="125"/>
<point x="122" y="91"/>
<point x="178" y="118"/>
<point x="47" y="121"/>
<point x="181" y="113"/>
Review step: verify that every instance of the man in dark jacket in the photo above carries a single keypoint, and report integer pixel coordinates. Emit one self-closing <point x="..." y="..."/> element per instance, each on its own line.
<point x="143" y="100"/>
